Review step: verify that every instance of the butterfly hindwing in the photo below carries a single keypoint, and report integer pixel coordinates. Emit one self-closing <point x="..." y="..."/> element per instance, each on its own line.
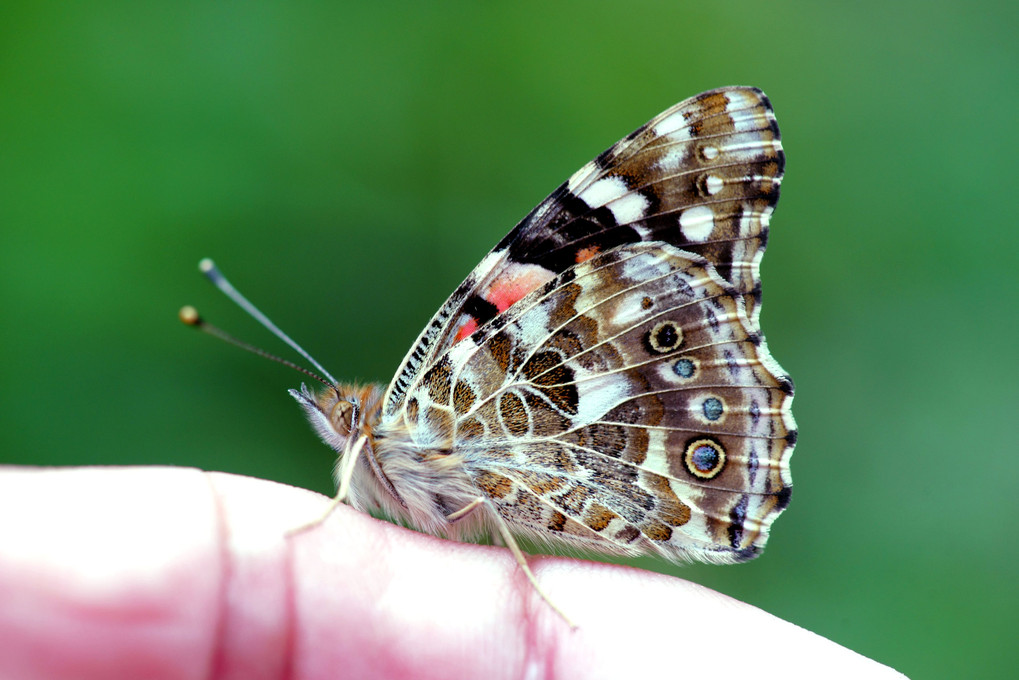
<point x="703" y="176"/>
<point x="628" y="404"/>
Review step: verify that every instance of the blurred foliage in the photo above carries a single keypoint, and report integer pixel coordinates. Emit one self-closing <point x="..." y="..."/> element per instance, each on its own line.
<point x="348" y="163"/>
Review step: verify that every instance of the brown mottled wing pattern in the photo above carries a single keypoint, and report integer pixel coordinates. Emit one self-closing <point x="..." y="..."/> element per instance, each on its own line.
<point x="629" y="405"/>
<point x="703" y="176"/>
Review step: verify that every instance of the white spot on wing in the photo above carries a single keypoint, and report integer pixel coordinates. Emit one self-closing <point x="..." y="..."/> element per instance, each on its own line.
<point x="629" y="208"/>
<point x="710" y="152"/>
<point x="673" y="159"/>
<point x="461" y="352"/>
<point x="532" y="330"/>
<point x="673" y="126"/>
<point x="642" y="231"/>
<point x="630" y="311"/>
<point x="600" y="395"/>
<point x="738" y="100"/>
<point x="603" y="191"/>
<point x="644" y="266"/>
<point x="626" y="206"/>
<point x="697" y="223"/>
<point x="714" y="184"/>
<point x="749" y="150"/>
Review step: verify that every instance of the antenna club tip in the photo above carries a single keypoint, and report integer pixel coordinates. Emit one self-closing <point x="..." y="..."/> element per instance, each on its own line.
<point x="206" y="265"/>
<point x="189" y="315"/>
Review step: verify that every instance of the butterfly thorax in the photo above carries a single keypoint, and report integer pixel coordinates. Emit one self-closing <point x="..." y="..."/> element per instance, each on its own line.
<point x="411" y="475"/>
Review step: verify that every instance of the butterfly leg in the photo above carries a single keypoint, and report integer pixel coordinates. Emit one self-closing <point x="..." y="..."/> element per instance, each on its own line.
<point x="511" y="543"/>
<point x="346" y="473"/>
<point x="333" y="504"/>
<point x="466" y="510"/>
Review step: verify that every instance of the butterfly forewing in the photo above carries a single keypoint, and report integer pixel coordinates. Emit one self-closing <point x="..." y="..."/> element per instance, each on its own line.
<point x="703" y="176"/>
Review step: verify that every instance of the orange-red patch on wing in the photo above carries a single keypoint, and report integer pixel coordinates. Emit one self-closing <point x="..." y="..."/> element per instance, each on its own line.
<point x="466" y="329"/>
<point x="507" y="290"/>
<point x="585" y="254"/>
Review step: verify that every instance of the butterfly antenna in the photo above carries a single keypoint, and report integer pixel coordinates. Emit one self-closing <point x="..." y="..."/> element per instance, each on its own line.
<point x="190" y="316"/>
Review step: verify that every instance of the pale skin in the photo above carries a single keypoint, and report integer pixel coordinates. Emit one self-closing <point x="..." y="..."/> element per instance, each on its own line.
<point x="174" y="573"/>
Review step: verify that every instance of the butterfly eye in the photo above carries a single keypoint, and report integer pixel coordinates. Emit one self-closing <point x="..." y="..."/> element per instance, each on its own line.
<point x="704" y="458"/>
<point x="664" y="337"/>
<point x="343" y="414"/>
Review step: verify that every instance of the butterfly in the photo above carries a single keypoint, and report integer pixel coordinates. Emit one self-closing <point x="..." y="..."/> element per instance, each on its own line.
<point x="600" y="380"/>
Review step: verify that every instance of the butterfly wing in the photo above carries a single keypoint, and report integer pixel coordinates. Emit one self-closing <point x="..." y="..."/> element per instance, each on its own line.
<point x="629" y="405"/>
<point x="703" y="176"/>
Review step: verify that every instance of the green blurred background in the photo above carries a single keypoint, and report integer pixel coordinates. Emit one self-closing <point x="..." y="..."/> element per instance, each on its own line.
<point x="348" y="164"/>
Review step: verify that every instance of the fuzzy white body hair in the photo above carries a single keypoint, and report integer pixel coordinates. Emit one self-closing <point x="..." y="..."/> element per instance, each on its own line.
<point x="433" y="484"/>
<point x="423" y="485"/>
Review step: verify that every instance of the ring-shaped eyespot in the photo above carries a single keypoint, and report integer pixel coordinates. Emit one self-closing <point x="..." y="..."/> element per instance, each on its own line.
<point x="704" y="458"/>
<point x="712" y="409"/>
<point x="665" y="337"/>
<point x="685" y="368"/>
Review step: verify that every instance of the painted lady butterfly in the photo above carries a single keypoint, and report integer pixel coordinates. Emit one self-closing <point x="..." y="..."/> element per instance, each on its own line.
<point x="600" y="379"/>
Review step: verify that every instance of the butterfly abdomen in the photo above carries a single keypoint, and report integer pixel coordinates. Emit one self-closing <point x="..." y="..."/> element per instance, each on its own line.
<point x="431" y="481"/>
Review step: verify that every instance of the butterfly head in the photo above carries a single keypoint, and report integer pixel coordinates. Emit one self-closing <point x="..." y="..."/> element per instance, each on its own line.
<point x="345" y="417"/>
<point x="340" y="413"/>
